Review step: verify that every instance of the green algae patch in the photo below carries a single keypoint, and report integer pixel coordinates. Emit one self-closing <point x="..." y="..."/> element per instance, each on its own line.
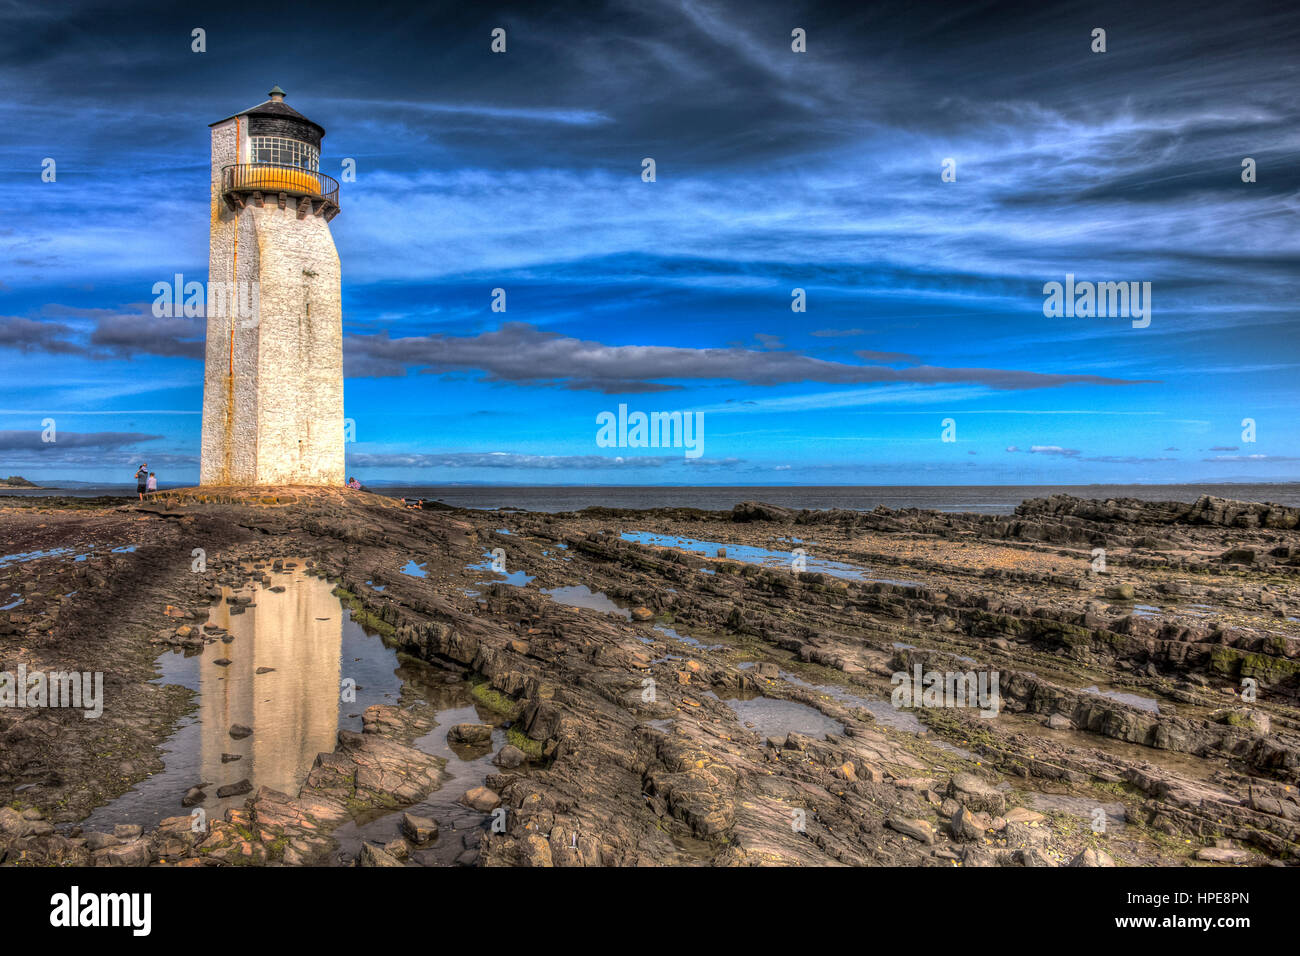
<point x="531" y="747"/>
<point x="369" y="621"/>
<point x="494" y="700"/>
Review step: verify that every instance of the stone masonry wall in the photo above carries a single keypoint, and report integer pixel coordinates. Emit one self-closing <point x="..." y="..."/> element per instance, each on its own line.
<point x="300" y="357"/>
<point x="273" y="385"/>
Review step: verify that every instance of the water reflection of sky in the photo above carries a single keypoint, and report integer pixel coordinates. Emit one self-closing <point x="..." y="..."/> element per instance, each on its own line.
<point x="765" y="557"/>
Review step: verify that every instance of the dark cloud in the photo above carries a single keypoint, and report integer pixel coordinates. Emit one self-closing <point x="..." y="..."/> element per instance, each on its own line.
<point x="22" y="449"/>
<point x="32" y="335"/>
<point x="111" y="335"/>
<point x="868" y="356"/>
<point x="523" y="354"/>
<point x="30" y="440"/>
<point x="124" y="336"/>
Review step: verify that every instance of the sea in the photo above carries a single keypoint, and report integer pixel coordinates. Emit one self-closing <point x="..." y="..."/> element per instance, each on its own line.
<point x="980" y="499"/>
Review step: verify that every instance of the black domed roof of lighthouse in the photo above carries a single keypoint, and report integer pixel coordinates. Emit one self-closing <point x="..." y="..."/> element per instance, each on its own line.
<point x="276" y="108"/>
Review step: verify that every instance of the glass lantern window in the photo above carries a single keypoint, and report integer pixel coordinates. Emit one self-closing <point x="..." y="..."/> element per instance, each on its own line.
<point x="280" y="151"/>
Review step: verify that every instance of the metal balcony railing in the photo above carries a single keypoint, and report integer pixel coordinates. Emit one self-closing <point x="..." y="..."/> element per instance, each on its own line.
<point x="277" y="178"/>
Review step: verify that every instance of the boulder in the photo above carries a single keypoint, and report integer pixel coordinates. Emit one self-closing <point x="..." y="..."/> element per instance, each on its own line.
<point x="235" y="789"/>
<point x="510" y="757"/>
<point x="916" y="829"/>
<point x="135" y="853"/>
<point x="481" y="799"/>
<point x="963" y="826"/>
<point x="419" y="829"/>
<point x="99" y="841"/>
<point x="759" y="511"/>
<point x="976" y="794"/>
<point x="376" y="856"/>
<point x="470" y="734"/>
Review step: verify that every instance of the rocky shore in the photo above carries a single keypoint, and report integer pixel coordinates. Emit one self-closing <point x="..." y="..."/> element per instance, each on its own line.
<point x="688" y="687"/>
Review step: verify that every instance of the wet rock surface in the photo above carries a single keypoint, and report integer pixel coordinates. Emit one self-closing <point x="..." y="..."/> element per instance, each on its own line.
<point x="1148" y="713"/>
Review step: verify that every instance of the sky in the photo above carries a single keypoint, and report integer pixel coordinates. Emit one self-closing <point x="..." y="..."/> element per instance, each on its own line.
<point x="923" y="354"/>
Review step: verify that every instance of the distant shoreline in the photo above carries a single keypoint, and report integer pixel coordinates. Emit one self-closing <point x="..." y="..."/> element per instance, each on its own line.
<point x="977" y="499"/>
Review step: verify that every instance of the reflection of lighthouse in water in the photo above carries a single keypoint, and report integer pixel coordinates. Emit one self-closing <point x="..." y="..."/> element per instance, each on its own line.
<point x="293" y="709"/>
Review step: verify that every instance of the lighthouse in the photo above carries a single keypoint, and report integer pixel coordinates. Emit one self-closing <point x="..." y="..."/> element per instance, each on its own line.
<point x="273" y="372"/>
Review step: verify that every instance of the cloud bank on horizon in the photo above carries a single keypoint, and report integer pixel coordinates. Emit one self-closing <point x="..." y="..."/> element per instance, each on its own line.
<point x="923" y="354"/>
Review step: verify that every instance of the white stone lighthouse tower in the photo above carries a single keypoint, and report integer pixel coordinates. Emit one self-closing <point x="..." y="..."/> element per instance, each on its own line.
<point x="273" y="378"/>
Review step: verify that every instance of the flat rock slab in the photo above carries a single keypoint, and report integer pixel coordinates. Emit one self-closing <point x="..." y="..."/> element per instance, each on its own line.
<point x="375" y="771"/>
<point x="1214" y="854"/>
<point x="916" y="829"/>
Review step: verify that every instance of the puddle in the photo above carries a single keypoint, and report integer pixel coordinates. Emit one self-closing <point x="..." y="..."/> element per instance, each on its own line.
<point x="883" y="710"/>
<point x="516" y="579"/>
<point x="1133" y="700"/>
<point x="772" y="717"/>
<point x="579" y="595"/>
<point x="22" y="557"/>
<point x="749" y="554"/>
<point x="414" y="570"/>
<point x="295" y="711"/>
<point x="459" y="827"/>
<point x="1183" y="764"/>
<point x="685" y="639"/>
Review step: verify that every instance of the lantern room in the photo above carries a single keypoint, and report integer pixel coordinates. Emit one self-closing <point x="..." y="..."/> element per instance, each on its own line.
<point x="278" y="155"/>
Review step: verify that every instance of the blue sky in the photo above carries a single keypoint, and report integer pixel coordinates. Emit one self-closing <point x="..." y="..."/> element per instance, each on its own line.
<point x="775" y="170"/>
